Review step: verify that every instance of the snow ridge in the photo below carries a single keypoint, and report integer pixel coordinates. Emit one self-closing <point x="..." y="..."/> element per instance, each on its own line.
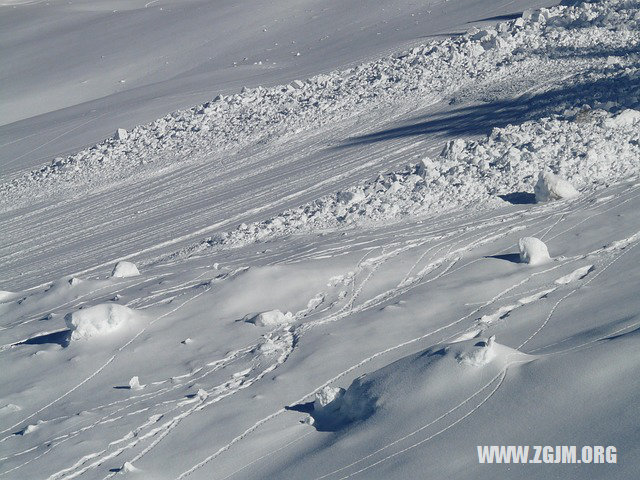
<point x="262" y="114"/>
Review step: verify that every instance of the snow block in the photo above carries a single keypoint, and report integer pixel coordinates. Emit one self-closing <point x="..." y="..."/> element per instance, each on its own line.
<point x="551" y="187"/>
<point x="98" y="320"/>
<point x="121" y="134"/>
<point x="269" y="319"/>
<point x="124" y="270"/>
<point x="533" y="251"/>
<point x="626" y="118"/>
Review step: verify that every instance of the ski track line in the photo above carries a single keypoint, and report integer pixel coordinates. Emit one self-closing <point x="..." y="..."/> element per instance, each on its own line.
<point x="70" y="303"/>
<point x="597" y="214"/>
<point x="555" y="306"/>
<point x="56" y="138"/>
<point x="217" y="366"/>
<point x="400" y="452"/>
<point x="283" y="447"/>
<point x="107" y="363"/>
<point x="347" y="371"/>
<point x="413" y="433"/>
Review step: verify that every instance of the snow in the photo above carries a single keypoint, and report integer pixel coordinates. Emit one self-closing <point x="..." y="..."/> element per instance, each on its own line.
<point x="269" y="319"/>
<point x="550" y="187"/>
<point x="340" y="266"/>
<point x="533" y="251"/>
<point x="98" y="320"/>
<point x="125" y="269"/>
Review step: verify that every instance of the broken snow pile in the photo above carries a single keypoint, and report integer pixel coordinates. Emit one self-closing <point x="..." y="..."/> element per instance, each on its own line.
<point x="551" y="187"/>
<point x="424" y="73"/>
<point x="426" y="381"/>
<point x="98" y="320"/>
<point x="589" y="154"/>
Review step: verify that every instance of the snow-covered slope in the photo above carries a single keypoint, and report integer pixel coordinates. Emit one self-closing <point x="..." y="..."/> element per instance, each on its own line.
<point x="364" y="274"/>
<point x="74" y="71"/>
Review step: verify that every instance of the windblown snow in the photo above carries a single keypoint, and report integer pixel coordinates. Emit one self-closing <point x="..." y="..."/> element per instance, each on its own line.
<point x="366" y="268"/>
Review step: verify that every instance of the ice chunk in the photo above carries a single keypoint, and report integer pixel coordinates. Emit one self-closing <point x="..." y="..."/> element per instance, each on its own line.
<point x="551" y="187"/>
<point x="533" y="251"/>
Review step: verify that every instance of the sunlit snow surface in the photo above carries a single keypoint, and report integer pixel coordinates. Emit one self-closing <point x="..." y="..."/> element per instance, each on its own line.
<point x="342" y="277"/>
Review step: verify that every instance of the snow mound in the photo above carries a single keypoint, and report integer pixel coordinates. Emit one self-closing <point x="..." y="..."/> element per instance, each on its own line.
<point x="269" y="319"/>
<point x="98" y="320"/>
<point x="626" y="118"/>
<point x="134" y="383"/>
<point x="6" y="296"/>
<point x="125" y="269"/>
<point x="419" y="382"/>
<point x="551" y="187"/>
<point x="533" y="251"/>
<point x="483" y="354"/>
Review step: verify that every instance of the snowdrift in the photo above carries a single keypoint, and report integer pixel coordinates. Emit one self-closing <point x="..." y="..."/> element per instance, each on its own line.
<point x="425" y="381"/>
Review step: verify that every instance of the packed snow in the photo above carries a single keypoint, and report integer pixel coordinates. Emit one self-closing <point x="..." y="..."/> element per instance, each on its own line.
<point x="407" y="243"/>
<point x="98" y="320"/>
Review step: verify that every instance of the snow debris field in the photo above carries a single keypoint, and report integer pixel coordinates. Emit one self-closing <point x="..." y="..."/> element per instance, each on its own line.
<point x="417" y="238"/>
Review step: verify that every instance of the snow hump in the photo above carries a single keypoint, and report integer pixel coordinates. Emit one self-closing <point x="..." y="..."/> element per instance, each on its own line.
<point x="551" y="187"/>
<point x="124" y="270"/>
<point x="533" y="251"/>
<point x="98" y="320"/>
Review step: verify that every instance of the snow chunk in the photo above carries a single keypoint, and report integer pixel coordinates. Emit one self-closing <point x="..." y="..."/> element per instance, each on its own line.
<point x="121" y="134"/>
<point x="134" y="383"/>
<point x="6" y="296"/>
<point x="326" y="395"/>
<point x="533" y="251"/>
<point x="124" y="270"/>
<point x="626" y="118"/>
<point x="269" y="318"/>
<point x="551" y="187"/>
<point x="483" y="354"/>
<point x="98" y="320"/>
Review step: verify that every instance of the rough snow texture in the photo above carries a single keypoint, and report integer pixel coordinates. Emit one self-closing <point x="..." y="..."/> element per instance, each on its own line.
<point x="269" y="319"/>
<point x="533" y="251"/>
<point x="551" y="187"/>
<point x="589" y="153"/>
<point x="434" y="69"/>
<point x="125" y="269"/>
<point x="98" y="320"/>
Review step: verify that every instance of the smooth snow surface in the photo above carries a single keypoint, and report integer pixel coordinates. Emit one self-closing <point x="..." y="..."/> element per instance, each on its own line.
<point x="312" y="240"/>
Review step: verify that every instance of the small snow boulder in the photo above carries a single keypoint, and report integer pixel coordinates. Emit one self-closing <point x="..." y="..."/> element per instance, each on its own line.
<point x="533" y="251"/>
<point x="269" y="319"/>
<point x="326" y="395"/>
<point x="626" y="118"/>
<point x="124" y="270"/>
<point x="98" y="320"/>
<point x="551" y="187"/>
<point x="121" y="134"/>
